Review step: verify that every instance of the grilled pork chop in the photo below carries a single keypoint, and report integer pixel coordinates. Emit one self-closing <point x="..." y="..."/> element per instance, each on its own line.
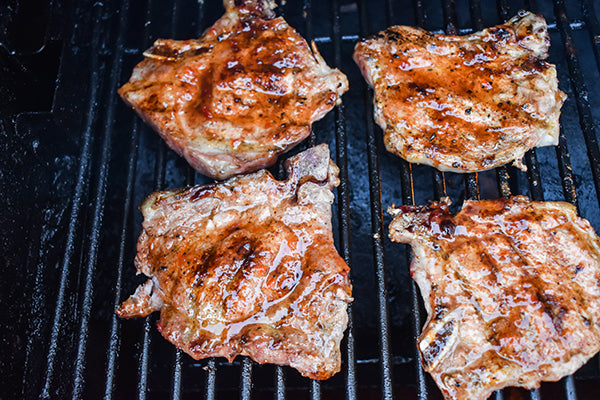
<point x="464" y="103"/>
<point x="512" y="290"/>
<point x="233" y="100"/>
<point x="248" y="267"/>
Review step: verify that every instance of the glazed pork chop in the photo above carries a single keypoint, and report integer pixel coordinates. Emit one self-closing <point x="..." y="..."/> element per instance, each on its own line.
<point x="248" y="267"/>
<point x="464" y="103"/>
<point x="233" y="100"/>
<point x="511" y="288"/>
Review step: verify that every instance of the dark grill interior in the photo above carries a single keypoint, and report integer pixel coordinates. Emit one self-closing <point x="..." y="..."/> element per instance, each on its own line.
<point x="75" y="163"/>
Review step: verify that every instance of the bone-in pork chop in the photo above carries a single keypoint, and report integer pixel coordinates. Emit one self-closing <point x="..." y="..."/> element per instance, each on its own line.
<point x="248" y="267"/>
<point x="464" y="103"/>
<point x="512" y="291"/>
<point x="233" y="100"/>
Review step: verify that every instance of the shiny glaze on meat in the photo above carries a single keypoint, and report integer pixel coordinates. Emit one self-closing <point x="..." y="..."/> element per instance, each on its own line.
<point x="233" y="100"/>
<point x="464" y="103"/>
<point x="512" y="290"/>
<point x="248" y="267"/>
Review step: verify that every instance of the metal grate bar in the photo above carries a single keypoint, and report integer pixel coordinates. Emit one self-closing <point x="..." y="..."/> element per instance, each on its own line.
<point x="571" y="196"/>
<point x="501" y="172"/>
<point x="177" y="366"/>
<point x="537" y="193"/>
<point x="279" y="383"/>
<point x="315" y="386"/>
<point x="565" y="170"/>
<point x="378" y="248"/>
<point x="246" y="379"/>
<point x="450" y="17"/>
<point x="477" y="19"/>
<point x="189" y="181"/>
<point x="315" y="390"/>
<point x="472" y="186"/>
<point x="580" y="90"/>
<point x="160" y="165"/>
<point x="533" y="169"/>
<point x="279" y="371"/>
<point x="534" y="394"/>
<point x="583" y="107"/>
<point x="308" y="30"/>
<point x="451" y="23"/>
<point x="143" y="362"/>
<point x="439" y="182"/>
<point x="390" y="14"/>
<point x="593" y="27"/>
<point x="408" y="198"/>
<point x="101" y="183"/>
<point x="115" y="334"/>
<point x="503" y="181"/>
<point x="211" y="379"/>
<point x="343" y="200"/>
<point x="533" y="175"/>
<point x="503" y="10"/>
<point x="312" y="138"/>
<point x="419" y="12"/>
<point x="159" y="182"/>
<point x="570" y="391"/>
<point x="35" y="326"/>
<point x="422" y="391"/>
<point x="377" y="229"/>
<point x="82" y="183"/>
<point x="476" y="14"/>
<point x="498" y="395"/>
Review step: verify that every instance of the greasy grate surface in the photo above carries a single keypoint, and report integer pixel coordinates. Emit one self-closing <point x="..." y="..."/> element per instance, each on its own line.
<point x="75" y="163"/>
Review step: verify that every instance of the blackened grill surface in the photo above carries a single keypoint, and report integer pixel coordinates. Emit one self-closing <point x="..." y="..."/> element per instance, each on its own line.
<point x="75" y="163"/>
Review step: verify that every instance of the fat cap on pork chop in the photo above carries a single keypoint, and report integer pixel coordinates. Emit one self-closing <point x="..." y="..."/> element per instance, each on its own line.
<point x="511" y="288"/>
<point x="231" y="101"/>
<point x="248" y="267"/>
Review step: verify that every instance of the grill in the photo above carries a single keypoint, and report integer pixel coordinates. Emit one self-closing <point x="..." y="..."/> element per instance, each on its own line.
<point x="75" y="163"/>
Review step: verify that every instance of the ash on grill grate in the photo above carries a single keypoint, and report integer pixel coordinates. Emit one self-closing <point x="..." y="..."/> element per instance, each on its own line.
<point x="76" y="163"/>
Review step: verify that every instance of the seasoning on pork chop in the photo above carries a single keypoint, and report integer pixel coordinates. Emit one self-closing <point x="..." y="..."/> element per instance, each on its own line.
<point x="464" y="103"/>
<point x="512" y="290"/>
<point x="248" y="267"/>
<point x="231" y="101"/>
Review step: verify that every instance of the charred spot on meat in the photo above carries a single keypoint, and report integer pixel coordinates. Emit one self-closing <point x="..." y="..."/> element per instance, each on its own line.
<point x="464" y="103"/>
<point x="511" y="288"/>
<point x="248" y="267"/>
<point x="231" y="101"/>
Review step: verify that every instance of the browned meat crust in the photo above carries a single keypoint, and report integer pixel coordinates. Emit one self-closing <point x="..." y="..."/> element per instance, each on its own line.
<point x="248" y="267"/>
<point x="512" y="289"/>
<point x="233" y="100"/>
<point x="464" y="103"/>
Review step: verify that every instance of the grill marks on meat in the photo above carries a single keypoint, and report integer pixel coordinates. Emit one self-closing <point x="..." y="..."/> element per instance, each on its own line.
<point x="233" y="100"/>
<point x="464" y="103"/>
<point x="512" y="291"/>
<point x="248" y="267"/>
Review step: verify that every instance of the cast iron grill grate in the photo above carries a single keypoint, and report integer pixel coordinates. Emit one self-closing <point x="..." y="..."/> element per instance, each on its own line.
<point x="74" y="173"/>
